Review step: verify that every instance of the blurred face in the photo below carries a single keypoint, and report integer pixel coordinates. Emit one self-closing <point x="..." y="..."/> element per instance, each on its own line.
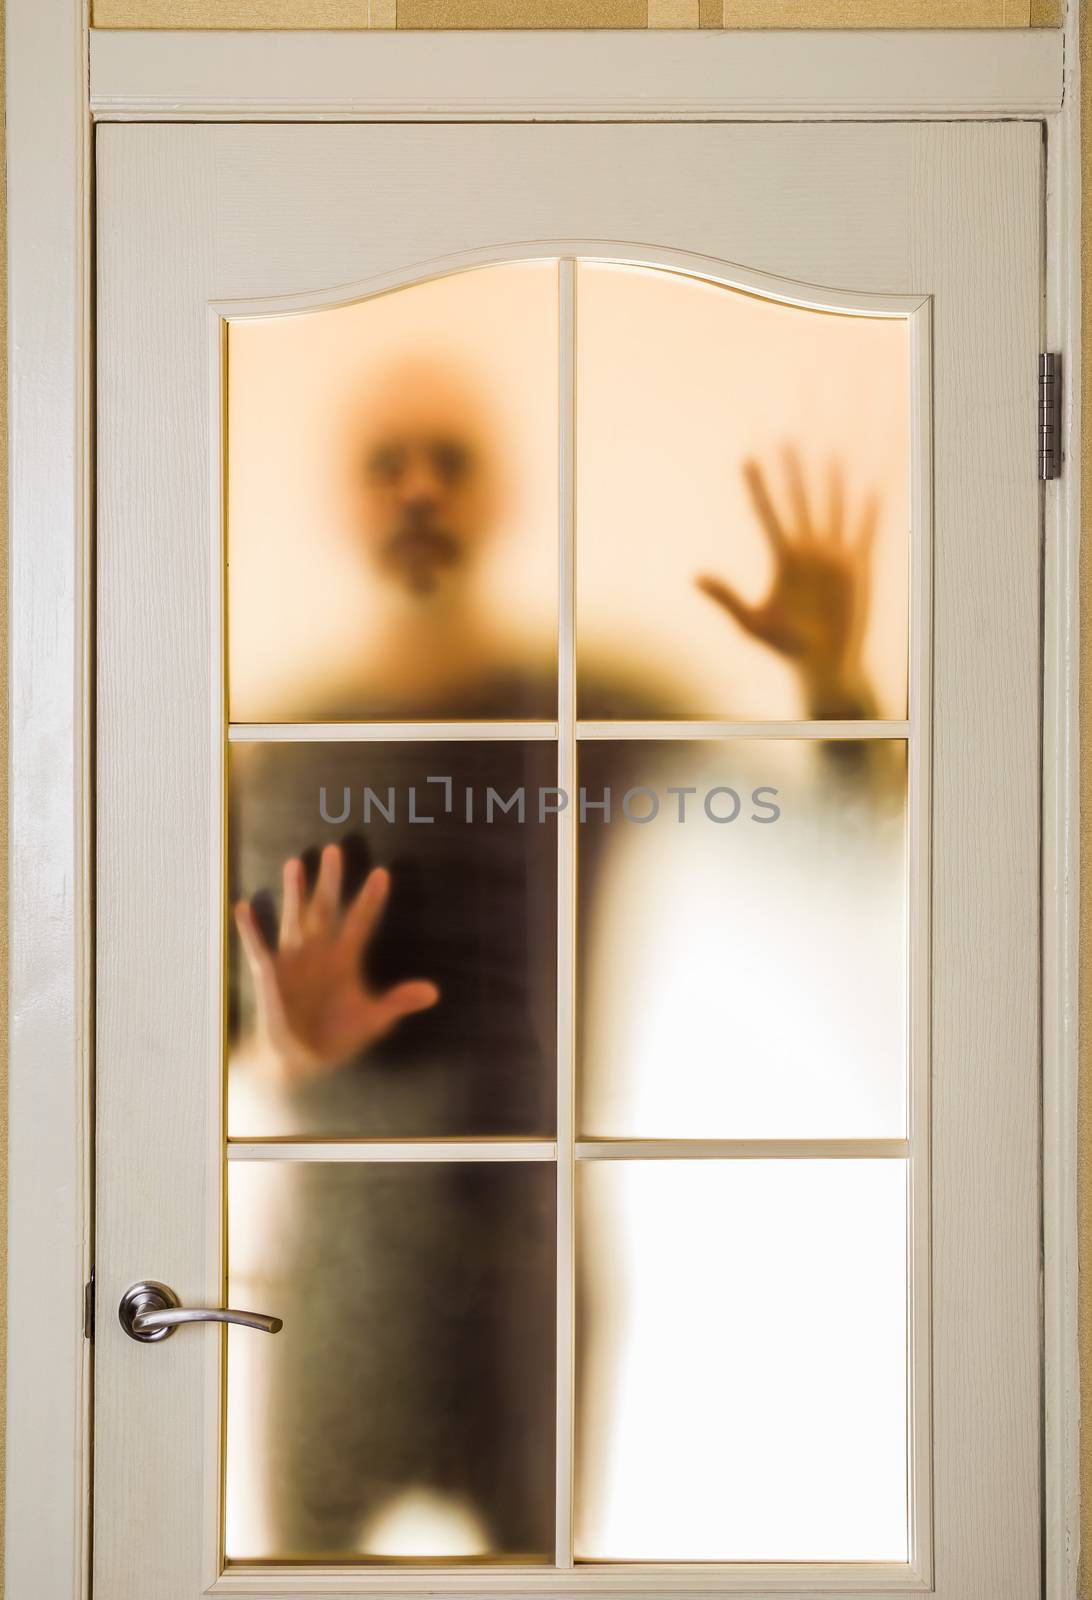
<point x="427" y="479"/>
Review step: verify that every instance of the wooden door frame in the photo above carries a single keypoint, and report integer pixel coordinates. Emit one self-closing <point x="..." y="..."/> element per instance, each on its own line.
<point x="62" y="77"/>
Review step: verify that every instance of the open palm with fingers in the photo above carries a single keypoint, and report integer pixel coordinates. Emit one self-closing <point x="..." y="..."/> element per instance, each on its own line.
<point x="315" y="1009"/>
<point x="815" y="611"/>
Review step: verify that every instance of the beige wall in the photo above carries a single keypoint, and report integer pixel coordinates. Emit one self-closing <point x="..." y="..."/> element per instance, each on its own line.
<point x="1084" y="1109"/>
<point x="598" y="14"/>
<point x="3" y="759"/>
<point x="575" y="13"/>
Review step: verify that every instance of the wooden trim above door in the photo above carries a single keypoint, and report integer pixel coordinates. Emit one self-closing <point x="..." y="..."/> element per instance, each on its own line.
<point x="512" y="76"/>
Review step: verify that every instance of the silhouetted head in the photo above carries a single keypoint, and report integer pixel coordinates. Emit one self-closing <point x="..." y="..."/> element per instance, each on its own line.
<point x="424" y="456"/>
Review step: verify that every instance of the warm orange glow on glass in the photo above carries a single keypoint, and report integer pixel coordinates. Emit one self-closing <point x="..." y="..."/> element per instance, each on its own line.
<point x="685" y="390"/>
<point x="392" y="504"/>
<point x="406" y="1410"/>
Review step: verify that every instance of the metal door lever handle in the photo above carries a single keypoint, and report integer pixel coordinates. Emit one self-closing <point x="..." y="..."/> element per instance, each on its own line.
<point x="151" y="1311"/>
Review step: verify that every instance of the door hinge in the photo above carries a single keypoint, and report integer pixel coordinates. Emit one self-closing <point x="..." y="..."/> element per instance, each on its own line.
<point x="1050" y="433"/>
<point x="89" y="1307"/>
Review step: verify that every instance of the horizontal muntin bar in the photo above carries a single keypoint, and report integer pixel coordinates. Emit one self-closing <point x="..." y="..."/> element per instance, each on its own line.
<point x="377" y="732"/>
<point x="741" y="1149"/>
<point x="438" y="732"/>
<point x="870" y="1580"/>
<point x="362" y="1150"/>
<point x="743" y="730"/>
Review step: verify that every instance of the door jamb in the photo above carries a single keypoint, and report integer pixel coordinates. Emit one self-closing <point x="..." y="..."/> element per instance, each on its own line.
<point x="1061" y="847"/>
<point x="48" y="1418"/>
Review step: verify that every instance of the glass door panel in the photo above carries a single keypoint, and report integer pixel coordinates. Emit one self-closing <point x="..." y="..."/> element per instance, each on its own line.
<point x="742" y="503"/>
<point x="392" y="504"/>
<point x="415" y="997"/>
<point x="742" y="1375"/>
<point x="753" y="893"/>
<point x="406" y="1410"/>
<point x="575" y="941"/>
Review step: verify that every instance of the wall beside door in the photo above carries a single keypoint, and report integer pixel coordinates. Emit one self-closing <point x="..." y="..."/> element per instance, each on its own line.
<point x="626" y="14"/>
<point x="3" y="753"/>
<point x="576" y="13"/>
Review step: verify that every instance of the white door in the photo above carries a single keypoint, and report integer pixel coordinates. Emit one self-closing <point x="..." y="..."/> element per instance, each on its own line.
<point x="567" y="848"/>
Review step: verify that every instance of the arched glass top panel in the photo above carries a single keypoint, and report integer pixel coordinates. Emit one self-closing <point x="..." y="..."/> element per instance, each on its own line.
<point x="392" y="504"/>
<point x="731" y="455"/>
<point x="726" y="475"/>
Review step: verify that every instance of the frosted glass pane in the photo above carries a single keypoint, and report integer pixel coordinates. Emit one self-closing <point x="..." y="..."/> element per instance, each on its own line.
<point x="469" y="920"/>
<point x="742" y="1361"/>
<point x="742" y="977"/>
<point x="392" y="504"/>
<point x="680" y="384"/>
<point x="406" y="1410"/>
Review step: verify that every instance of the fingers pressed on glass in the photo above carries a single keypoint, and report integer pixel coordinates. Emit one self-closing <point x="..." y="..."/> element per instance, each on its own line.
<point x="726" y="457"/>
<point x="418" y="998"/>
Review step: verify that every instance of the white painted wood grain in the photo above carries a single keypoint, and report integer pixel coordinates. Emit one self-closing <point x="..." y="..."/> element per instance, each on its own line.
<point x="1061" y="847"/>
<point x="865" y="1581"/>
<point x="360" y="1150"/>
<point x="701" y="73"/>
<point x="49" y="1159"/>
<point x="222" y="206"/>
<point x="743" y="730"/>
<point x="395" y="732"/>
<point x="986" y="728"/>
<point x="565" y="1410"/>
<point x="155" y="1096"/>
<point x="742" y="1149"/>
<point x="426" y="732"/>
<point x="921" y="887"/>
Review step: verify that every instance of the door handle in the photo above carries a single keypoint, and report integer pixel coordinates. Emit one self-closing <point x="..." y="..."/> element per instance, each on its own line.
<point x="150" y="1311"/>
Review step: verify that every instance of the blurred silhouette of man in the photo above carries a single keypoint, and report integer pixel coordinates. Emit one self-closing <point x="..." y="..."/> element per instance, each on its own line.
<point x="423" y="1361"/>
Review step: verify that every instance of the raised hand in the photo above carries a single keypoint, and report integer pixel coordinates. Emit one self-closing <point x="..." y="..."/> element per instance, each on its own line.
<point x="315" y="1011"/>
<point x="816" y="609"/>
